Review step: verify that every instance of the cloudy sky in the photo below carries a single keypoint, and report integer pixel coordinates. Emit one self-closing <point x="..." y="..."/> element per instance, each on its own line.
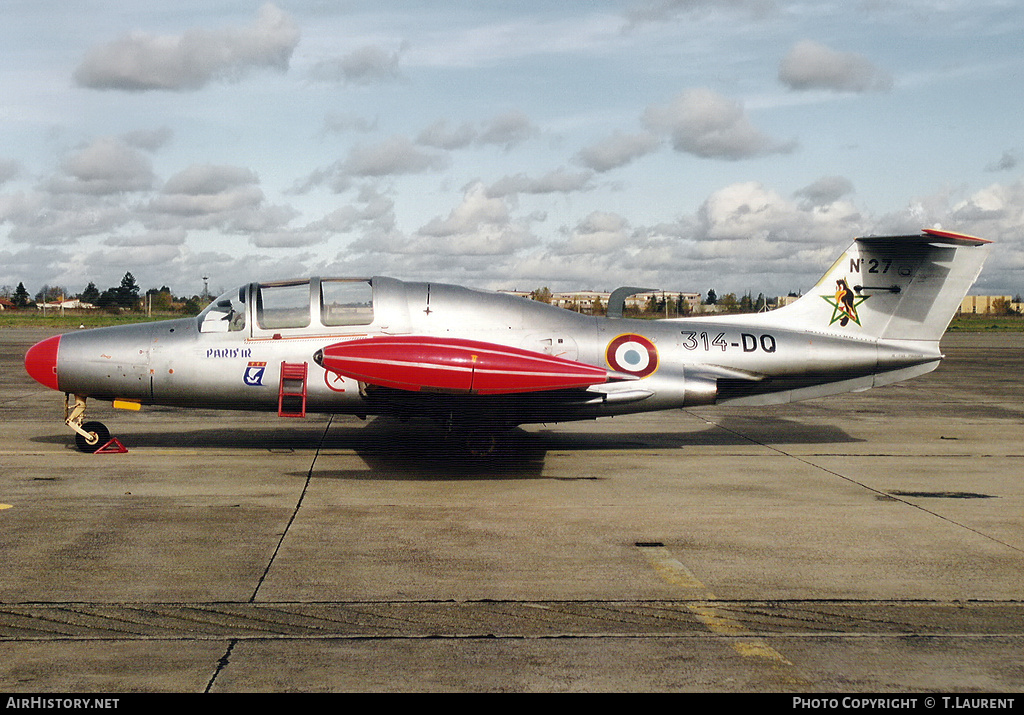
<point x="679" y="144"/>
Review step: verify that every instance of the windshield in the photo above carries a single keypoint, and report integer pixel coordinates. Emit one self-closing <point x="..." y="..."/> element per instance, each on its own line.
<point x="226" y="314"/>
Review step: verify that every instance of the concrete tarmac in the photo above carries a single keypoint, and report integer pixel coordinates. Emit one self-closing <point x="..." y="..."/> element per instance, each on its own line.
<point x="871" y="542"/>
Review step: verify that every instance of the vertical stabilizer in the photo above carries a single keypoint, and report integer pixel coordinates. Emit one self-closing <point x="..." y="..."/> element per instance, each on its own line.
<point x="892" y="287"/>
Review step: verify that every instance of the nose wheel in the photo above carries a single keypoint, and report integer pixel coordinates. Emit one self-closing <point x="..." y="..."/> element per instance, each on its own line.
<point x="93" y="435"/>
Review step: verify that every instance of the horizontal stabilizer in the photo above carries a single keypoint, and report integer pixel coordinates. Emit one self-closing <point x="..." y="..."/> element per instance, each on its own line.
<point x="929" y="236"/>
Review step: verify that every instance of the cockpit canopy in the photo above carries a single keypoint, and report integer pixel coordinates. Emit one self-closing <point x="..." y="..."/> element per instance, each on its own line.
<point x="317" y="302"/>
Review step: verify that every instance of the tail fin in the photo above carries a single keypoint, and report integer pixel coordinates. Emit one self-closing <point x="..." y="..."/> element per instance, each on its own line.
<point x="892" y="287"/>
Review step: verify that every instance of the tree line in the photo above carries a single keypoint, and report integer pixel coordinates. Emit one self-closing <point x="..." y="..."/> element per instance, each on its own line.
<point x="125" y="296"/>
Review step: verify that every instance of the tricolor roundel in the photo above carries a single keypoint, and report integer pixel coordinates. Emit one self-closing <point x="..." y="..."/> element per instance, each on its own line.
<point x="633" y="354"/>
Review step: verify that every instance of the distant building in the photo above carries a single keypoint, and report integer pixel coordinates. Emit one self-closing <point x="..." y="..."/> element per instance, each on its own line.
<point x="581" y="301"/>
<point x="985" y="304"/>
<point x="641" y="300"/>
<point x="584" y="301"/>
<point x="6" y="304"/>
<point x="73" y="304"/>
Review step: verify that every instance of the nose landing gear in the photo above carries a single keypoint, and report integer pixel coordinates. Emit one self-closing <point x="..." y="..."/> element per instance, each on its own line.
<point x="89" y="436"/>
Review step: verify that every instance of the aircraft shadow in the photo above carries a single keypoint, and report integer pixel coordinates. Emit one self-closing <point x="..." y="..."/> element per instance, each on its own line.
<point x="424" y="451"/>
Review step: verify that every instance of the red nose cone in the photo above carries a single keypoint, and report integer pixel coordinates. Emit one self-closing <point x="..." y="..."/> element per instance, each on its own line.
<point x="41" y="362"/>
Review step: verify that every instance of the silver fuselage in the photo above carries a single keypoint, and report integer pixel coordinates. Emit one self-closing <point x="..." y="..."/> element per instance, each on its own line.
<point x="741" y="359"/>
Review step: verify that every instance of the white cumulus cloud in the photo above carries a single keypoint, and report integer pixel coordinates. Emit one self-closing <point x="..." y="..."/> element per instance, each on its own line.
<point x="812" y="65"/>
<point x="706" y="124"/>
<point x="559" y="181"/>
<point x="140" y="61"/>
<point x="599" y="232"/>
<point x="392" y="156"/>
<point x="617" y="150"/>
<point x="106" y="166"/>
<point x="364" y="66"/>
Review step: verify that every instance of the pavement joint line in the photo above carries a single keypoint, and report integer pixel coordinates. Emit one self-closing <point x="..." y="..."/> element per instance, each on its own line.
<point x="199" y="637"/>
<point x="222" y="663"/>
<point x="837" y="602"/>
<point x="295" y="512"/>
<point x="222" y="621"/>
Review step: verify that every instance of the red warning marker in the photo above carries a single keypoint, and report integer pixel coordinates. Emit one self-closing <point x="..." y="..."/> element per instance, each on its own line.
<point x="113" y="446"/>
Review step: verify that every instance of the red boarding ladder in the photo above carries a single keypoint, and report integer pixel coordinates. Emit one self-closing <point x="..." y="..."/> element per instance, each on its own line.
<point x="293" y="388"/>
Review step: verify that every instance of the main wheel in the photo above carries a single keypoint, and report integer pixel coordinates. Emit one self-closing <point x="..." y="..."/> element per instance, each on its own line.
<point x="483" y="442"/>
<point x="99" y="435"/>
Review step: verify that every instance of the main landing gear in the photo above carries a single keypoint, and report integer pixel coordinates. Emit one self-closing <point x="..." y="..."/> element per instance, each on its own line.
<point x="89" y="436"/>
<point x="481" y="439"/>
<point x="483" y="442"/>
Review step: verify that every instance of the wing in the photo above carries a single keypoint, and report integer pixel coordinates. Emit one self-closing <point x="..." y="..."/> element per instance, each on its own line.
<point x="455" y="366"/>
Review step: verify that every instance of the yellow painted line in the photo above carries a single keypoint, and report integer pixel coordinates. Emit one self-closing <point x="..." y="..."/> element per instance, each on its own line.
<point x="624" y="451"/>
<point x="6" y="506"/>
<point x="717" y="622"/>
<point x="708" y="612"/>
<point x="175" y="451"/>
<point x="671" y="569"/>
<point x="759" y="649"/>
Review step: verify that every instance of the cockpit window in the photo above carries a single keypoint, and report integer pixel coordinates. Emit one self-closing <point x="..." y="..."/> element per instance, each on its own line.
<point x="283" y="305"/>
<point x="226" y="314"/>
<point x="346" y="302"/>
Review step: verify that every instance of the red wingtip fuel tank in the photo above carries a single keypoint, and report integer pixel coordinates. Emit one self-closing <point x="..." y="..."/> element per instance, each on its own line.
<point x="454" y="365"/>
<point x="41" y="362"/>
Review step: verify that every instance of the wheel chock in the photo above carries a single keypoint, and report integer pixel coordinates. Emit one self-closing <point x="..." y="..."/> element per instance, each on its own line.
<point x="113" y="446"/>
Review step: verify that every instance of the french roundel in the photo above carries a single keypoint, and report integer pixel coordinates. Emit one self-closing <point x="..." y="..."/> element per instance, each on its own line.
<point x="633" y="354"/>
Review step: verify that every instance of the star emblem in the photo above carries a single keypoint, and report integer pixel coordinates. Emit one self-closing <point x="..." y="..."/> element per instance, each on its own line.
<point x="840" y="311"/>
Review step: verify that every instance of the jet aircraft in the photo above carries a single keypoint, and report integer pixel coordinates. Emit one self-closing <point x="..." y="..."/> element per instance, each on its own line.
<point x="480" y="362"/>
